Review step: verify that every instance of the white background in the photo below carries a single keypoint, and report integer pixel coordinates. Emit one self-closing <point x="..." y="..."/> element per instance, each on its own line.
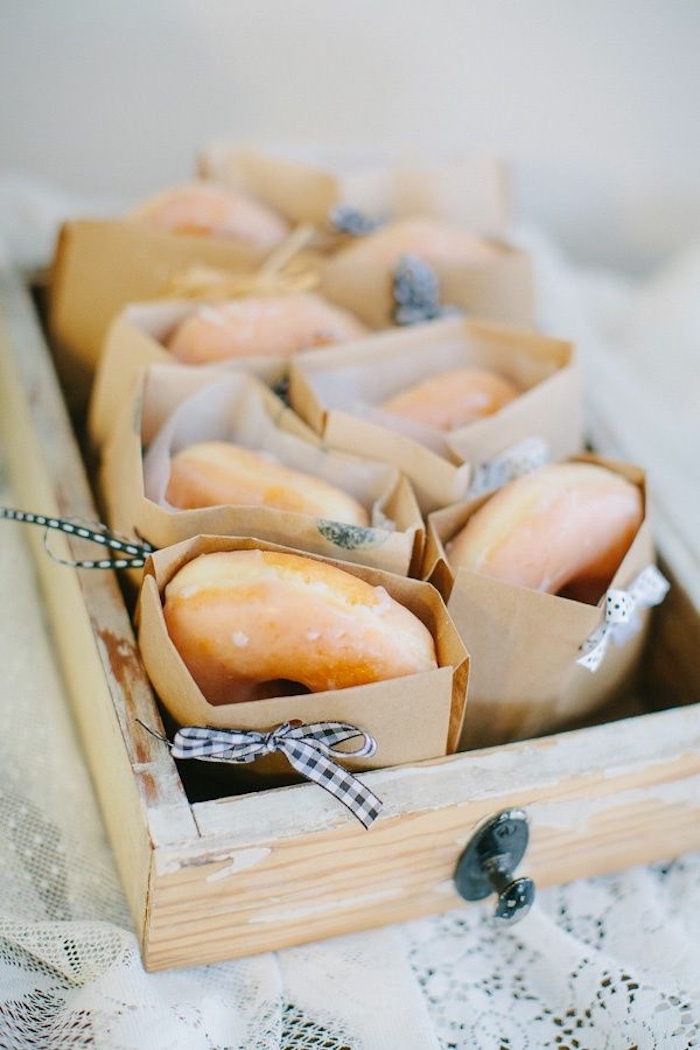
<point x="595" y="102"/>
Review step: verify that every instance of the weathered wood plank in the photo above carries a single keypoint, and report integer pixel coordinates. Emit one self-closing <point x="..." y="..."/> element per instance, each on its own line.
<point x="88" y="618"/>
<point x="597" y="800"/>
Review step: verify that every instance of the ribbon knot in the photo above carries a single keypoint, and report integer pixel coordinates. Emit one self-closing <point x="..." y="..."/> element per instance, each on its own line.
<point x="621" y="615"/>
<point x="309" y="748"/>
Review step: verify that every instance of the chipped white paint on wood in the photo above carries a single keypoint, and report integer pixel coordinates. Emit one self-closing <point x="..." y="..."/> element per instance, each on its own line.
<point x="634" y="746"/>
<point x="242" y="861"/>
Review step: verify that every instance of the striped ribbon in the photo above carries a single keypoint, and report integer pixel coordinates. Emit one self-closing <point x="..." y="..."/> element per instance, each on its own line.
<point x="135" y="553"/>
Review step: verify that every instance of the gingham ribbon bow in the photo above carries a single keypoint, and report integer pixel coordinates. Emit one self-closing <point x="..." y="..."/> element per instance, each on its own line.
<point x="521" y="458"/>
<point x="621" y="618"/>
<point x="307" y="747"/>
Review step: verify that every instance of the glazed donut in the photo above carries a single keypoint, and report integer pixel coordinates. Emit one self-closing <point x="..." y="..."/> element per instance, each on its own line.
<point x="261" y="325"/>
<point x="244" y="619"/>
<point x="435" y="242"/>
<point x="211" y="473"/>
<point x="454" y="398"/>
<point x="563" y="529"/>
<point x="204" y="209"/>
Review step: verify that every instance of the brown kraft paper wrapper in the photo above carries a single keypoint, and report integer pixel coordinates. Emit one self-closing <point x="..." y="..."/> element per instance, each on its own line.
<point x="524" y="644"/>
<point x="470" y="191"/>
<point x="411" y="718"/>
<point x="101" y="265"/>
<point x="134" y="341"/>
<point x="338" y="392"/>
<point x="497" y="283"/>
<point x="172" y="408"/>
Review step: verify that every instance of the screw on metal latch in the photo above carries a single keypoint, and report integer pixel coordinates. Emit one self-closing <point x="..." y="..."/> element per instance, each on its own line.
<point x="488" y="862"/>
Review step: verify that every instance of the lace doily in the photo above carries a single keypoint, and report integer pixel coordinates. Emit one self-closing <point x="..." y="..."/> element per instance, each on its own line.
<point x="605" y="964"/>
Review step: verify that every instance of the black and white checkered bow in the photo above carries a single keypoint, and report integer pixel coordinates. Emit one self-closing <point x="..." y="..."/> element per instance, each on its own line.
<point x="134" y="554"/>
<point x="307" y="747"/>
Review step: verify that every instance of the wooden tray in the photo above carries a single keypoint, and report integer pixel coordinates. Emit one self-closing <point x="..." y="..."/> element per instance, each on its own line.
<point x="214" y="879"/>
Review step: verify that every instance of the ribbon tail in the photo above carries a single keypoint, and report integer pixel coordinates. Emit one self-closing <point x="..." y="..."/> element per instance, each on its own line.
<point x="343" y="785"/>
<point x="95" y="532"/>
<point x="212" y="745"/>
<point x="621" y="614"/>
<point x="594" y="650"/>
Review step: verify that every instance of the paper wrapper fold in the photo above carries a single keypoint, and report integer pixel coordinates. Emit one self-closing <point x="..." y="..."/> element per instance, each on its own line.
<point x="134" y="341"/>
<point x="499" y="288"/>
<point x="470" y="192"/>
<point x="101" y="265"/>
<point x="338" y="392"/>
<point x="412" y="718"/>
<point x="172" y="406"/>
<point x="524" y="645"/>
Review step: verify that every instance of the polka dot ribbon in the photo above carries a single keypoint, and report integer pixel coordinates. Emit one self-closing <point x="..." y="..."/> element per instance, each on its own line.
<point x="521" y="458"/>
<point x="308" y="747"/>
<point x="621" y="616"/>
<point x="133" y="555"/>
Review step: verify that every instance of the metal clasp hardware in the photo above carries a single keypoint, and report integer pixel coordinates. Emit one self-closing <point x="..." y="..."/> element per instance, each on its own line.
<point x="488" y="862"/>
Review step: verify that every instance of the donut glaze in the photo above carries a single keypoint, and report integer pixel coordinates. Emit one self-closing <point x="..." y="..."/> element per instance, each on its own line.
<point x="204" y="209"/>
<point x="454" y="398"/>
<point x="244" y="619"/>
<point x="431" y="240"/>
<point x="562" y="529"/>
<point x="212" y="473"/>
<point x="261" y="326"/>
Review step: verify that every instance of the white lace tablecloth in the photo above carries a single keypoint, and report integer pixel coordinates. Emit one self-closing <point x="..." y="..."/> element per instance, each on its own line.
<point x="612" y="962"/>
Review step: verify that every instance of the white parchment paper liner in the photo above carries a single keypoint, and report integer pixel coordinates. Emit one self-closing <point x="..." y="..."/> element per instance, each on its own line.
<point x="174" y="404"/>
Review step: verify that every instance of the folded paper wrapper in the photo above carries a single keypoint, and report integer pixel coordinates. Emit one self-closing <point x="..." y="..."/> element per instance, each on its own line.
<point x="171" y="407"/>
<point x="99" y="266"/>
<point x="135" y="340"/>
<point x="500" y="288"/>
<point x="525" y="645"/>
<point x="337" y="392"/>
<point x="471" y="192"/>
<point x="411" y="718"/>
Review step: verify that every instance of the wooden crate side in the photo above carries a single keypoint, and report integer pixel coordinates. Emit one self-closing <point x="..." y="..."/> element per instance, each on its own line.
<point x="238" y="875"/>
<point x="598" y="800"/>
<point x="134" y="777"/>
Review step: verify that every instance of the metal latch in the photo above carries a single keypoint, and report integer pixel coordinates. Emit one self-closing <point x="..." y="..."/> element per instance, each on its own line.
<point x="488" y="862"/>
